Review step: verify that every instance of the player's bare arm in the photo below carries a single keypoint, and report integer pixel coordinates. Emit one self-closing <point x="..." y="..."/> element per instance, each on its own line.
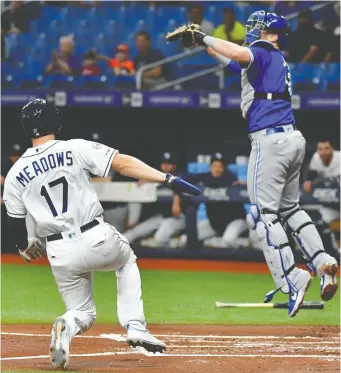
<point x="133" y="167"/>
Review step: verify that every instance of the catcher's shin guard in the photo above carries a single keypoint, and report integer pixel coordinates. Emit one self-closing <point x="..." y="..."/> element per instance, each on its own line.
<point x="306" y="236"/>
<point x="309" y="241"/>
<point x="276" y="248"/>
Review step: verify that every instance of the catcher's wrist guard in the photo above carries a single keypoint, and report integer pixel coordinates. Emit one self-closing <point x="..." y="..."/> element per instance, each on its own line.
<point x="199" y="37"/>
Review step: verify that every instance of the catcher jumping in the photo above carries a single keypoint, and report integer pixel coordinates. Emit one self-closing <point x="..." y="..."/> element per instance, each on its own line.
<point x="277" y="154"/>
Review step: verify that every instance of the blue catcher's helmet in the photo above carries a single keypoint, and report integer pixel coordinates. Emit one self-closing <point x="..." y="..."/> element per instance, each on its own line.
<point x="40" y="118"/>
<point x="262" y="20"/>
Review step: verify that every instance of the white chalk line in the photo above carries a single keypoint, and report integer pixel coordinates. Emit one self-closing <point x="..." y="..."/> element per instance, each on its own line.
<point x="322" y="357"/>
<point x="241" y="342"/>
<point x="277" y="348"/>
<point x="120" y="337"/>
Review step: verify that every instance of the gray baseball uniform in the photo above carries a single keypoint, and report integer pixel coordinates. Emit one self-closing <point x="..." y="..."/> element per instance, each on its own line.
<point x="276" y="158"/>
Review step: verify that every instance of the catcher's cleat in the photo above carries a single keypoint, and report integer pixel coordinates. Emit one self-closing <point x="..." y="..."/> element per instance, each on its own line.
<point x="143" y="338"/>
<point x="60" y="341"/>
<point x="297" y="292"/>
<point x="328" y="281"/>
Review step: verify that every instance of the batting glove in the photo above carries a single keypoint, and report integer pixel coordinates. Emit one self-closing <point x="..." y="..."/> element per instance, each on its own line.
<point x="35" y="250"/>
<point x="179" y="185"/>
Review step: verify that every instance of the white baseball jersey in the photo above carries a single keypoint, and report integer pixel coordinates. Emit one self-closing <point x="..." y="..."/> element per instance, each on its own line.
<point x="51" y="182"/>
<point x="332" y="170"/>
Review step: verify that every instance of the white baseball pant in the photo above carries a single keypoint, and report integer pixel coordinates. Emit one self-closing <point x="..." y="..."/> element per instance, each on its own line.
<point x="73" y="260"/>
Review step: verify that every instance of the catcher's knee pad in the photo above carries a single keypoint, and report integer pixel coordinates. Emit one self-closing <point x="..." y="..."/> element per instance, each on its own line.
<point x="276" y="248"/>
<point x="275" y="233"/>
<point x="253" y="217"/>
<point x="304" y="233"/>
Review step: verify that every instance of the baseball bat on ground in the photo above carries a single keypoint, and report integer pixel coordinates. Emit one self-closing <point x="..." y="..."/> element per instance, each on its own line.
<point x="284" y="305"/>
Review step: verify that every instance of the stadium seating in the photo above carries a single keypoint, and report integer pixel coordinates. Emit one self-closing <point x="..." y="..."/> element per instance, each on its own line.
<point x="111" y="23"/>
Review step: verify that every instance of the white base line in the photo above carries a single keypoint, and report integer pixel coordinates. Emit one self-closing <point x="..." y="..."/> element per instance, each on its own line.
<point x="253" y="343"/>
<point x="115" y="336"/>
<point x="328" y="357"/>
<point x="257" y="345"/>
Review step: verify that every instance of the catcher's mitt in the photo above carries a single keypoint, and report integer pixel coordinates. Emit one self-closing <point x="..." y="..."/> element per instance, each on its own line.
<point x="190" y="36"/>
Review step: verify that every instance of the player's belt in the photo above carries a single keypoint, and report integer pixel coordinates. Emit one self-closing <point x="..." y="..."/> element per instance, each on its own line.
<point x="273" y="96"/>
<point x="272" y="130"/>
<point x="83" y="228"/>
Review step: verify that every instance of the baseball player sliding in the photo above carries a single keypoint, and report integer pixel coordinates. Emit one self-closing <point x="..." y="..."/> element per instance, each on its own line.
<point x="51" y="182"/>
<point x="277" y="153"/>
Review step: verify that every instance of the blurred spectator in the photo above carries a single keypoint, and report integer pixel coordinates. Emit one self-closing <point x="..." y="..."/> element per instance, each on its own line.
<point x="120" y="64"/>
<point x="15" y="153"/>
<point x="16" y="19"/>
<point x="89" y="3"/>
<point x="324" y="165"/>
<point x="288" y="7"/>
<point x="63" y="61"/>
<point x="3" y="45"/>
<point x="225" y="220"/>
<point x="196" y="15"/>
<point x="324" y="171"/>
<point x="163" y="220"/>
<point x="146" y="55"/>
<point x="307" y="44"/>
<point x="57" y="3"/>
<point x="333" y="36"/>
<point x="231" y="29"/>
<point x="90" y="66"/>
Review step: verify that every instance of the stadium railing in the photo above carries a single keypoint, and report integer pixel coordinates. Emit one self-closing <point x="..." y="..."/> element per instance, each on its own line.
<point x="177" y="57"/>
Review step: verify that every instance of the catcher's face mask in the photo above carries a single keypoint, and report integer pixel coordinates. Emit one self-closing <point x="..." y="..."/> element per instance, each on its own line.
<point x="254" y="26"/>
<point x="270" y="22"/>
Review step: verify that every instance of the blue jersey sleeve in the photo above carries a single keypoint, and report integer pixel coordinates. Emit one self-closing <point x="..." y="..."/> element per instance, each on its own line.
<point x="234" y="67"/>
<point x="259" y="57"/>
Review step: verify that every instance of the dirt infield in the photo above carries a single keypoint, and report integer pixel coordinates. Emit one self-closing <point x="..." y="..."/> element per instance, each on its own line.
<point x="194" y="349"/>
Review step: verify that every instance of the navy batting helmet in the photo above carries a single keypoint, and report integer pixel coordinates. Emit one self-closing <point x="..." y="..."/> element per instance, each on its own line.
<point x="40" y="118"/>
<point x="271" y="22"/>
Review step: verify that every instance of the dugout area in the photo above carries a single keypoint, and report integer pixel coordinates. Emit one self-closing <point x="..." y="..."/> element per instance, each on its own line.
<point x="179" y="307"/>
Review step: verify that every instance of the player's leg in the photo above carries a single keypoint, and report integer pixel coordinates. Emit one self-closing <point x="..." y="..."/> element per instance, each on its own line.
<point x="75" y="287"/>
<point x="130" y="306"/>
<point x="205" y="233"/>
<point x="108" y="250"/>
<point x="303" y="229"/>
<point x="168" y="228"/>
<point x="268" y="163"/>
<point x="205" y="229"/>
<point x="143" y="229"/>
<point x="233" y="231"/>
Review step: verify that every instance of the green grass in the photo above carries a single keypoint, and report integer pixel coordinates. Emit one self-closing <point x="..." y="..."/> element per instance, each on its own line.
<point x="30" y="295"/>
